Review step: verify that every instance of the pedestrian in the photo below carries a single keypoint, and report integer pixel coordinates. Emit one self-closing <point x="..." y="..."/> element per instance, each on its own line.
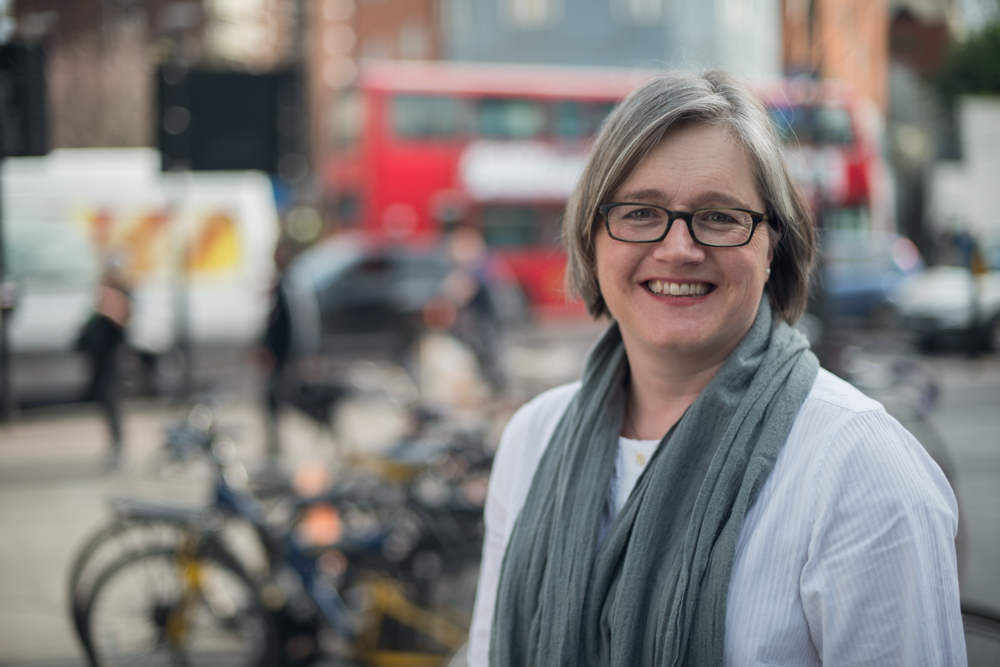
<point x="706" y="494"/>
<point x="276" y="348"/>
<point x="477" y="322"/>
<point x="102" y="339"/>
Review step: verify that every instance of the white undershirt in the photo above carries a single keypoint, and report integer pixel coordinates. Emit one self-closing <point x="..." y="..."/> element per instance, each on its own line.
<point x="631" y="460"/>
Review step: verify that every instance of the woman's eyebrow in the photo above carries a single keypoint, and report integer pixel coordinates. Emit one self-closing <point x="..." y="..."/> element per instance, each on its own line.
<point x="716" y="198"/>
<point x="647" y="194"/>
<point x="709" y="198"/>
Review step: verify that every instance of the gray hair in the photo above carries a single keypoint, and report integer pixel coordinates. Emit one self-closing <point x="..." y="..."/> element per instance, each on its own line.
<point x="638" y="125"/>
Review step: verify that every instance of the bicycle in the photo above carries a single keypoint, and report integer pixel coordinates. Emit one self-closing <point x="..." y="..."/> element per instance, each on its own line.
<point x="301" y="588"/>
<point x="137" y="526"/>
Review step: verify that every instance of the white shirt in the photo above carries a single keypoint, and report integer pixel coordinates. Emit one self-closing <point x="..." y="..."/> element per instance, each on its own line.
<point x="846" y="558"/>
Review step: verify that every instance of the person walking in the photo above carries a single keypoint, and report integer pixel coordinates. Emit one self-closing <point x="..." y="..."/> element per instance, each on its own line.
<point x="102" y="339"/>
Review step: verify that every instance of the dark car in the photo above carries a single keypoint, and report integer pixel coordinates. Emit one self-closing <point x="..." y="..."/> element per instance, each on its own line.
<point x="351" y="297"/>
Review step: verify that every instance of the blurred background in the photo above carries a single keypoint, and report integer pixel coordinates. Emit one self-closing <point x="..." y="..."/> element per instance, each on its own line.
<point x="334" y="226"/>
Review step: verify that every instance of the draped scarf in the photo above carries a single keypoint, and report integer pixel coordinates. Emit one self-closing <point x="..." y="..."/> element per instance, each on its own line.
<point x="654" y="592"/>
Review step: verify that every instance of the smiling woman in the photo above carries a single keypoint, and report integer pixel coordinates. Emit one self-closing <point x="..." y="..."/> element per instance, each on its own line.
<point x="706" y="494"/>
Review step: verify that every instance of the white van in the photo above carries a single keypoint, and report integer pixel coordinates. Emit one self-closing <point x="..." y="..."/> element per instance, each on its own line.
<point x="194" y="244"/>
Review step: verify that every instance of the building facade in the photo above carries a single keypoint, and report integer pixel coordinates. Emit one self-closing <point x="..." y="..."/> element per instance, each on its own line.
<point x="102" y="56"/>
<point x="739" y="35"/>
<point x="847" y="40"/>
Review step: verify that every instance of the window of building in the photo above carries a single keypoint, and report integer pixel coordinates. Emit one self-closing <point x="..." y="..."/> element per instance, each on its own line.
<point x="738" y="15"/>
<point x="638" y="11"/>
<point x="531" y="14"/>
<point x="414" y="41"/>
<point x="456" y="16"/>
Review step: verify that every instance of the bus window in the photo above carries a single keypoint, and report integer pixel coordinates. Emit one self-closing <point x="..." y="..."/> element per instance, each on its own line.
<point x="832" y="125"/>
<point x="427" y="117"/>
<point x="784" y="121"/>
<point x="508" y="226"/>
<point x="808" y="125"/>
<point x="511" y="118"/>
<point x="548" y="225"/>
<point x="599" y="111"/>
<point x="580" y="119"/>
<point x="794" y="124"/>
<point x="567" y="120"/>
<point x="854" y="217"/>
<point x="347" y="209"/>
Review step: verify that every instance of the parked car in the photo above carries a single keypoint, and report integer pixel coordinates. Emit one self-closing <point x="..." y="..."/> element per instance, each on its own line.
<point x="947" y="304"/>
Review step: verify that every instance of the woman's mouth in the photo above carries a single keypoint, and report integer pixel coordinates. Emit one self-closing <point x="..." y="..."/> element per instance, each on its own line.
<point x="664" y="288"/>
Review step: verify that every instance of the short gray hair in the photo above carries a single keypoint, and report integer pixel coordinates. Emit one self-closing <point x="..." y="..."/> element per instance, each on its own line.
<point x="638" y="125"/>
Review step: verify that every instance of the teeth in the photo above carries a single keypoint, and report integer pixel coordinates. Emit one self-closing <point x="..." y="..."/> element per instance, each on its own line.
<point x="678" y="289"/>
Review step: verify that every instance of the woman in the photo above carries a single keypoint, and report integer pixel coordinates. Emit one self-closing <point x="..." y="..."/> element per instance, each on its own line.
<point x="706" y="494"/>
<point x="102" y="339"/>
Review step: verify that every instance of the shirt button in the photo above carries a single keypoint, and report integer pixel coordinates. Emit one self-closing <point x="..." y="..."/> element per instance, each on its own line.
<point x="640" y="459"/>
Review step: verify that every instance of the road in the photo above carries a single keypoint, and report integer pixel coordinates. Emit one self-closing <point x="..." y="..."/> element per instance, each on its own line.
<point x="54" y="482"/>
<point x="968" y="420"/>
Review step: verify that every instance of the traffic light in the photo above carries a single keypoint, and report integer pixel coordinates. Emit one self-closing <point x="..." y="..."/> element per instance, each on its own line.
<point x="22" y="100"/>
<point x="231" y="120"/>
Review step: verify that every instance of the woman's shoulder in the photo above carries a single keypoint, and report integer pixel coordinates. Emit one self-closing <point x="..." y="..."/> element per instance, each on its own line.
<point x="547" y="406"/>
<point x="837" y="413"/>
<point x="834" y="408"/>
<point x="842" y="437"/>
<point x="536" y="420"/>
<point x="530" y="429"/>
<point x="836" y="393"/>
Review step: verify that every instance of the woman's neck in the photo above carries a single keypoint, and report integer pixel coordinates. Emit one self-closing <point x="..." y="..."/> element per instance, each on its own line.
<point x="660" y="388"/>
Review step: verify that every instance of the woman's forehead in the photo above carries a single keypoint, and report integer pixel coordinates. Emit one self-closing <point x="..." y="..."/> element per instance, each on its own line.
<point x="693" y="165"/>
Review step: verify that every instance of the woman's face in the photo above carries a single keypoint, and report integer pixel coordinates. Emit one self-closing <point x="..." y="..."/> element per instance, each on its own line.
<point x="695" y="166"/>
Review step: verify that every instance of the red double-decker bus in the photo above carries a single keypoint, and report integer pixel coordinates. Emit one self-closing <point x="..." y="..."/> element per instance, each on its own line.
<point x="424" y="145"/>
<point x="833" y="138"/>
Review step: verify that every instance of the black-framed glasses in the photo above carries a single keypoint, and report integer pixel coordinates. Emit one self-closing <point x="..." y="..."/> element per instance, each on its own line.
<point x="718" y="227"/>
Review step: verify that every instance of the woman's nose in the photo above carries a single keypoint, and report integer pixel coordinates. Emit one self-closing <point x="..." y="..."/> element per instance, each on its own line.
<point x="678" y="246"/>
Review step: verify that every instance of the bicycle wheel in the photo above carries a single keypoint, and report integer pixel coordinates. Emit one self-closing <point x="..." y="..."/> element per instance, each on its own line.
<point x="108" y="545"/>
<point x="982" y="635"/>
<point x="151" y="609"/>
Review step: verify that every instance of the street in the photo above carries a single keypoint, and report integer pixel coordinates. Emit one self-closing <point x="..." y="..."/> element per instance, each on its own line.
<point x="969" y="422"/>
<point x="54" y="481"/>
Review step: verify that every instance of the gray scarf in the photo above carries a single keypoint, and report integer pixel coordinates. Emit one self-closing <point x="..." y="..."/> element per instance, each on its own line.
<point x="654" y="592"/>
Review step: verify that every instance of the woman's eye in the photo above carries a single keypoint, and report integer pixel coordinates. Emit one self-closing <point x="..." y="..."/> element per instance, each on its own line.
<point x="718" y="217"/>
<point x="641" y="213"/>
